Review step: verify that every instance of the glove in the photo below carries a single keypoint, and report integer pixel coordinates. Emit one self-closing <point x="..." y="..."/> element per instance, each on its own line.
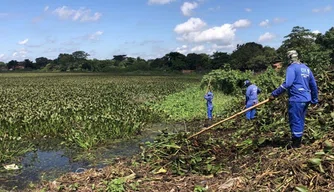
<point x="314" y="106"/>
<point x="271" y="97"/>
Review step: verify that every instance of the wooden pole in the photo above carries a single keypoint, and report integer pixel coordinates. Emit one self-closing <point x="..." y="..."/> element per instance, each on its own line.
<point x="209" y="85"/>
<point x="231" y="117"/>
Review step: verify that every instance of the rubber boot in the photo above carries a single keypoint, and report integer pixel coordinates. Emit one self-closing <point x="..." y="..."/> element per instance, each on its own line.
<point x="210" y="122"/>
<point x="206" y="123"/>
<point x="295" y="142"/>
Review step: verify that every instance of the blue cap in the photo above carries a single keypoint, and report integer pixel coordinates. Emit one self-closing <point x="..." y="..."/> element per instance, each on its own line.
<point x="247" y="82"/>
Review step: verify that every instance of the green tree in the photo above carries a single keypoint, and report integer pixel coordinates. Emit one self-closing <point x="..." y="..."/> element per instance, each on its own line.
<point x="175" y="60"/>
<point x="326" y="41"/>
<point x="300" y="39"/>
<point x="64" y="61"/>
<point x="218" y="59"/>
<point x="127" y="62"/>
<point x="262" y="61"/>
<point x="80" y="55"/>
<point x="41" y="62"/>
<point x="140" y="64"/>
<point x="193" y="61"/>
<point x="157" y="63"/>
<point x="205" y="60"/>
<point x="311" y="53"/>
<point x="249" y="56"/>
<point x="12" y="64"/>
<point x="28" y="64"/>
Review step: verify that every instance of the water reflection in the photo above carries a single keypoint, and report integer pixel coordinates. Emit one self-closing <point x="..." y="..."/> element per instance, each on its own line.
<point x="49" y="164"/>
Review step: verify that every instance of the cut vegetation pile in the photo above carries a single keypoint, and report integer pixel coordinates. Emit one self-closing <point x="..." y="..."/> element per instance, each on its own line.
<point x="310" y="167"/>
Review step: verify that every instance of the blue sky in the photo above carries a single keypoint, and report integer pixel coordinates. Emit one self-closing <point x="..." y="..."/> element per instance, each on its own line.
<point x="150" y="28"/>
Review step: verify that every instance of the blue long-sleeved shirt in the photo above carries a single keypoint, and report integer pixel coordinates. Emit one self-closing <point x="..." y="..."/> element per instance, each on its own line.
<point x="251" y="94"/>
<point x="300" y="84"/>
<point x="209" y="97"/>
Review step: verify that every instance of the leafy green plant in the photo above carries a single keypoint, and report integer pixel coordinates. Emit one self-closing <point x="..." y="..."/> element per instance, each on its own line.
<point x="80" y="110"/>
<point x="229" y="82"/>
<point x="116" y="185"/>
<point x="199" y="188"/>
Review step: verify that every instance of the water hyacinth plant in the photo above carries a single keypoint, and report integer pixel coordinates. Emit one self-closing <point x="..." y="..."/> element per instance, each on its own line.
<point x="82" y="110"/>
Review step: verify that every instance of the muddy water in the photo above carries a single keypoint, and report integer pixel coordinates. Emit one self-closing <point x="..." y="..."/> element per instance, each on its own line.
<point x="49" y="164"/>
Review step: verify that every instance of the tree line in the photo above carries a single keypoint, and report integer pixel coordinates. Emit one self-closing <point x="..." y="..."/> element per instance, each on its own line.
<point x="249" y="56"/>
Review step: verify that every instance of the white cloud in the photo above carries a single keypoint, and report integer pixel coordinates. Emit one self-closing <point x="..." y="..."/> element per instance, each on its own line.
<point x="323" y="9"/>
<point x="208" y="48"/>
<point x="193" y="24"/>
<point x="46" y="8"/>
<point x="242" y="23"/>
<point x="266" y="37"/>
<point x="82" y="14"/>
<point x="264" y="23"/>
<point x="183" y="49"/>
<point x="23" y="42"/>
<point x="222" y="35"/>
<point x="160" y="2"/>
<point x="225" y="47"/>
<point x="248" y="9"/>
<point x="194" y="32"/>
<point x="315" y="33"/>
<point x="199" y="48"/>
<point x="92" y="53"/>
<point x="187" y="8"/>
<point x="267" y="23"/>
<point x="222" y="48"/>
<point x="2" y="56"/>
<point x="327" y="8"/>
<point x="96" y="35"/>
<point x="20" y="54"/>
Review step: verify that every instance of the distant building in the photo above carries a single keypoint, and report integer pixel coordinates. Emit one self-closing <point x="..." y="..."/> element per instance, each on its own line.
<point x="3" y="68"/>
<point x="20" y="65"/>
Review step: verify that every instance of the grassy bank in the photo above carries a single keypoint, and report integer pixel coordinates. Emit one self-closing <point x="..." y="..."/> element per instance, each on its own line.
<point x="190" y="104"/>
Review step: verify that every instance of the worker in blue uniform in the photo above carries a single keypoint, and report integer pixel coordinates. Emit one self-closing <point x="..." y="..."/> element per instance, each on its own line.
<point x="209" y="97"/>
<point x="251" y="98"/>
<point x="302" y="90"/>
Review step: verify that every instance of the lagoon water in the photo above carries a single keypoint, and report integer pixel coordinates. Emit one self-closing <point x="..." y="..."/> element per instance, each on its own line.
<point x="49" y="164"/>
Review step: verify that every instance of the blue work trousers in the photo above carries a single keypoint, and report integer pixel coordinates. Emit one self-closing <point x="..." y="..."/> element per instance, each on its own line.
<point x="297" y="112"/>
<point x="251" y="113"/>
<point x="209" y="111"/>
